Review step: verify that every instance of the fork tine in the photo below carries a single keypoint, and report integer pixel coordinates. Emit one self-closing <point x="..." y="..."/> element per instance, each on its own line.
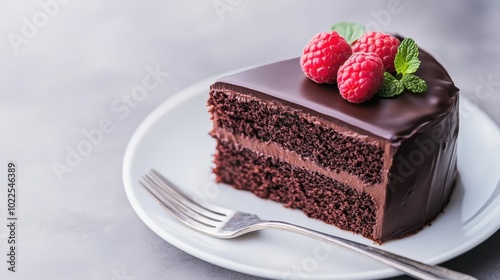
<point x="177" y="210"/>
<point x="176" y="192"/>
<point x="203" y="216"/>
<point x="181" y="216"/>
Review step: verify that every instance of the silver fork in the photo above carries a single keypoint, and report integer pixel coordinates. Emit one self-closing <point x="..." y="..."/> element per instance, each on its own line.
<point x="220" y="222"/>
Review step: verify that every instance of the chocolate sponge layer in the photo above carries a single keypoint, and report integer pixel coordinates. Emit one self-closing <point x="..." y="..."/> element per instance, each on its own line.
<point x="291" y="130"/>
<point x="318" y="196"/>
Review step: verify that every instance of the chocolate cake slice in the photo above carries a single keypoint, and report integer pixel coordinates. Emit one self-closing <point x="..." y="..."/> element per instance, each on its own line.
<point x="383" y="169"/>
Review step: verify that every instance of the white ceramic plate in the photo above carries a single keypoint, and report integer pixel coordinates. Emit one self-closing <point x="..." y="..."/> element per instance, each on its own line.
<point x="174" y="140"/>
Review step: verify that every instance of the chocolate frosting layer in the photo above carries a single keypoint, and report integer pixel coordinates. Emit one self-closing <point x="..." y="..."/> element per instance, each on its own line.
<point x="393" y="119"/>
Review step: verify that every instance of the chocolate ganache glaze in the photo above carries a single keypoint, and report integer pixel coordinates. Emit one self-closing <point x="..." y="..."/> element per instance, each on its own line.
<point x="394" y="119"/>
<point x="418" y="133"/>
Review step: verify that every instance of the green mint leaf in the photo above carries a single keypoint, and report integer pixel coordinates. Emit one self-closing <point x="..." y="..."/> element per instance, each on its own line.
<point x="349" y="31"/>
<point x="406" y="61"/>
<point x="390" y="87"/>
<point x="414" y="83"/>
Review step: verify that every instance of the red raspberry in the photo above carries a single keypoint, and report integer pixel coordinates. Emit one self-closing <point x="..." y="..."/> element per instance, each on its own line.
<point x="323" y="55"/>
<point x="384" y="45"/>
<point x="360" y="77"/>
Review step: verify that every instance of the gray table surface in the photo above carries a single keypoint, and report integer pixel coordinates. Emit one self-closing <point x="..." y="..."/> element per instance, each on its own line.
<point x="64" y="63"/>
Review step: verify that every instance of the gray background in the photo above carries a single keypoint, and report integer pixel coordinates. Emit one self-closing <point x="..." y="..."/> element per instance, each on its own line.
<point x="60" y="78"/>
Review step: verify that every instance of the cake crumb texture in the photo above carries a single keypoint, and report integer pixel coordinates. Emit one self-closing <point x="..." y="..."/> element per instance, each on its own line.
<point x="324" y="146"/>
<point x="316" y="195"/>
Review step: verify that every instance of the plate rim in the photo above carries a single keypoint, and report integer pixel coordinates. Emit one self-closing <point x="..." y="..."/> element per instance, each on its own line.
<point x="196" y="89"/>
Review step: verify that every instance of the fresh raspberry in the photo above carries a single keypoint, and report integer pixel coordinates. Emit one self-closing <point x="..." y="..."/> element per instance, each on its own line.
<point x="360" y="77"/>
<point x="384" y="45"/>
<point x="323" y="55"/>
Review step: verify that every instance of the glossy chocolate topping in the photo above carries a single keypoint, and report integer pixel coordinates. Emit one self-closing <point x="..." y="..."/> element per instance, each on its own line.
<point x="393" y="119"/>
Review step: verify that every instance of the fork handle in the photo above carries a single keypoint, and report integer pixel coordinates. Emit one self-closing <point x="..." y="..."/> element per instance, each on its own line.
<point x="411" y="267"/>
